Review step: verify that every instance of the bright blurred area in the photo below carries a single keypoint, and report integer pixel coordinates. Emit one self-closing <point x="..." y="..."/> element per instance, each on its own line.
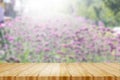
<point x="59" y="30"/>
<point x="107" y="11"/>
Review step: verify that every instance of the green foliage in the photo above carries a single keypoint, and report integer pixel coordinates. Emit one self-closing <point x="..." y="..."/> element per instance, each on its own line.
<point x="24" y="57"/>
<point x="107" y="11"/>
<point x="114" y="5"/>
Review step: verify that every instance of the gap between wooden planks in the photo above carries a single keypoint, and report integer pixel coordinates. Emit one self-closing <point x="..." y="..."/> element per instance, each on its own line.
<point x="60" y="71"/>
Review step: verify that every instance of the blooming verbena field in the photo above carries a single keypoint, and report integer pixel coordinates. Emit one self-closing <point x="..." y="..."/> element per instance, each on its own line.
<point x="58" y="40"/>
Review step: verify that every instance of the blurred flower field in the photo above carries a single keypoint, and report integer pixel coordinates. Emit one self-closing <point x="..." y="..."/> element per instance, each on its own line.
<point x="58" y="40"/>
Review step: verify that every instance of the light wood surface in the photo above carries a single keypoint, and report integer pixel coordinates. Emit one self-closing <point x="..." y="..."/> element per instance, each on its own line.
<point x="60" y="71"/>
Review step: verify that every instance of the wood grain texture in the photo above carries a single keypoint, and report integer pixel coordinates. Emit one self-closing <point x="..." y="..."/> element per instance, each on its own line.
<point x="60" y="71"/>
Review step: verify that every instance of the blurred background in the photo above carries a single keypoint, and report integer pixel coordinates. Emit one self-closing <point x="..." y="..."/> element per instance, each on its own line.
<point x="59" y="30"/>
<point x="106" y="11"/>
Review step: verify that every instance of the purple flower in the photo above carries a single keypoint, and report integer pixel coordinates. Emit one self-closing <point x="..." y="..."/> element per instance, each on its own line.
<point x="117" y="55"/>
<point x="10" y="38"/>
<point x="112" y="46"/>
<point x="6" y="46"/>
<point x="77" y="37"/>
<point x="90" y="46"/>
<point x="60" y="52"/>
<point x="46" y="49"/>
<point x="2" y="26"/>
<point x="101" y="23"/>
<point x="65" y="45"/>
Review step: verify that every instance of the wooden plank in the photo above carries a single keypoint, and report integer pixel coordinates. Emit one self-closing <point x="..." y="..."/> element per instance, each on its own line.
<point x="84" y="73"/>
<point x="60" y="71"/>
<point x="50" y="72"/>
<point x="55" y="72"/>
<point x="97" y="73"/>
<point x="64" y="74"/>
<point x="31" y="72"/>
<point x="7" y="67"/>
<point x="109" y="70"/>
<point x="113" y="65"/>
<point x="77" y="72"/>
<point x="12" y="73"/>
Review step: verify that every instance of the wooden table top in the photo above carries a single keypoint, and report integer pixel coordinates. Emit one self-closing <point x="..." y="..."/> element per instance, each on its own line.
<point x="60" y="71"/>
